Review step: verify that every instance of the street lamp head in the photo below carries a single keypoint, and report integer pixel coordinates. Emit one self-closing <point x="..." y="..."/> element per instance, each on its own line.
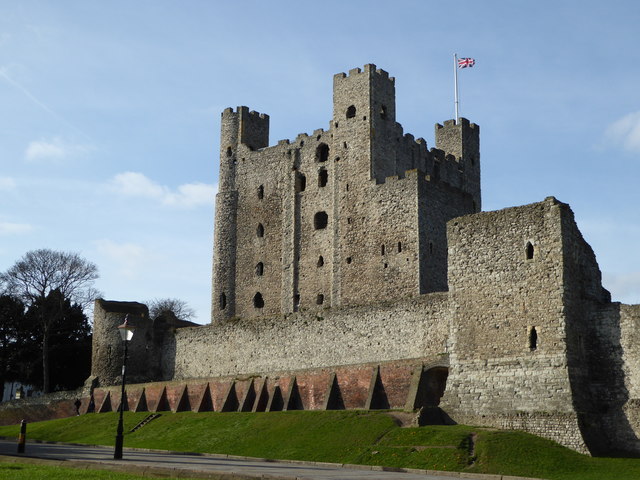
<point x="126" y="330"/>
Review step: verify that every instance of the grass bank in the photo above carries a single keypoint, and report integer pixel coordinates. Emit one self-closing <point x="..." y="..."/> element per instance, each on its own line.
<point x="357" y="437"/>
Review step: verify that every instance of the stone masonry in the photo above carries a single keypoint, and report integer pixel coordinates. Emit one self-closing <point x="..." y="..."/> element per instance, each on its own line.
<point x="353" y="268"/>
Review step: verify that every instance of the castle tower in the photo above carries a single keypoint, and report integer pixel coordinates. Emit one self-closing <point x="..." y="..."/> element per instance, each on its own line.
<point x="364" y="117"/>
<point x="240" y="130"/>
<point x="462" y="140"/>
<point x="301" y="223"/>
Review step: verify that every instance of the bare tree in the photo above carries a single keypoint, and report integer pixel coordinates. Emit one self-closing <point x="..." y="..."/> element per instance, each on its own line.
<point x="40" y="273"/>
<point x="179" y="308"/>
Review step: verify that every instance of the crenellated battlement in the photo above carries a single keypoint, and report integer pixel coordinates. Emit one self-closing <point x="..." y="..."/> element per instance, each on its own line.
<point x="244" y="111"/>
<point x="463" y="122"/>
<point x="369" y="69"/>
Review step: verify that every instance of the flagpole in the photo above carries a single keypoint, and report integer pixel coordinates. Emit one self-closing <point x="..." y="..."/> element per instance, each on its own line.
<point x="455" y="84"/>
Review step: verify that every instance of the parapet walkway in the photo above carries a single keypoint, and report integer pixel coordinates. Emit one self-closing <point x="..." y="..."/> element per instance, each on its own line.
<point x="154" y="463"/>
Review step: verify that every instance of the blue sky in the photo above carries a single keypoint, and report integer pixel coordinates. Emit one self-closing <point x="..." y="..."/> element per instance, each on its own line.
<point x="110" y="126"/>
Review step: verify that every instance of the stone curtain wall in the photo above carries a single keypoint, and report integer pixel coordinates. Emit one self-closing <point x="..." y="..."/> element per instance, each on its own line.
<point x="627" y="318"/>
<point x="630" y="341"/>
<point x="409" y="329"/>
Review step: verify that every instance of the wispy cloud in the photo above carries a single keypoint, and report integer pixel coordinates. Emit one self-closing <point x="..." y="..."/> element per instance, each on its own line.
<point x="129" y="258"/>
<point x="625" y="132"/>
<point x="10" y="228"/>
<point x="5" y="75"/>
<point x="7" y="183"/>
<point x="136" y="184"/>
<point x="54" y="150"/>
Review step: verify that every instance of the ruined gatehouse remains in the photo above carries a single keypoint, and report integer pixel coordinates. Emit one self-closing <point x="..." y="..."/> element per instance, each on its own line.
<point x="353" y="268"/>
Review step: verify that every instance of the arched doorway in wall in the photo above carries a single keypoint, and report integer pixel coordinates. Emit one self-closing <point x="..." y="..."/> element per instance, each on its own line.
<point x="431" y="387"/>
<point x="435" y="380"/>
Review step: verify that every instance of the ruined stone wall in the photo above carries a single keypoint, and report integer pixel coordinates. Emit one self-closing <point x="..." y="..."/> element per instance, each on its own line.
<point x="594" y="355"/>
<point x="630" y="341"/>
<point x="603" y="372"/>
<point x="379" y="332"/>
<point x="508" y="354"/>
<point x="108" y="349"/>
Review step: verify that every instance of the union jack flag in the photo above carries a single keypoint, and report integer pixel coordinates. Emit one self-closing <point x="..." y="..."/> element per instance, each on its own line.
<point x="466" y="62"/>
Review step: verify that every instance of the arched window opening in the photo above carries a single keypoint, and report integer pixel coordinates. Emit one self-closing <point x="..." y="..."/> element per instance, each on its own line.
<point x="322" y="153"/>
<point x="260" y="192"/>
<point x="320" y="220"/>
<point x="296" y="302"/>
<point x="383" y="112"/>
<point x="323" y="177"/>
<point x="533" y="339"/>
<point x="530" y="251"/>
<point x="260" y="269"/>
<point x="260" y="231"/>
<point x="258" y="301"/>
<point x="351" y="111"/>
<point x="349" y="260"/>
<point x="229" y="151"/>
<point x="320" y="261"/>
<point x="382" y="249"/>
<point x="399" y="247"/>
<point x="223" y="301"/>
<point x="430" y="247"/>
<point x="320" y="299"/>
<point x="301" y="182"/>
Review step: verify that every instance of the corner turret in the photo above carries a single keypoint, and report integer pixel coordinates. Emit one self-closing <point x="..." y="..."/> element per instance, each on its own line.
<point x="462" y="140"/>
<point x="240" y="129"/>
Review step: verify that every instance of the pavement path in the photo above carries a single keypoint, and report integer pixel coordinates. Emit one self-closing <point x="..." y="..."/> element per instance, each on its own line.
<point x="161" y="463"/>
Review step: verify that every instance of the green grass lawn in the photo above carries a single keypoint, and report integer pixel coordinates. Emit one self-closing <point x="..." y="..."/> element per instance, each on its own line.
<point x="357" y="437"/>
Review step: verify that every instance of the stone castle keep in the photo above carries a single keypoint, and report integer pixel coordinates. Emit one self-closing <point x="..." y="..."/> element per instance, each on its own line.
<point x="353" y="268"/>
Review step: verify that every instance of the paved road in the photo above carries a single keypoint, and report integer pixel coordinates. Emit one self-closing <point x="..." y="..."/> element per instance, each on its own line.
<point x="212" y="464"/>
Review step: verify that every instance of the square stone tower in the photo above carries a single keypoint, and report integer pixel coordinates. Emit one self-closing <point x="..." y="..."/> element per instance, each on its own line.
<point x="345" y="216"/>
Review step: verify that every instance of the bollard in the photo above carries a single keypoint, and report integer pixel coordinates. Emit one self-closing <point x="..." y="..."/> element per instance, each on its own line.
<point x="22" y="439"/>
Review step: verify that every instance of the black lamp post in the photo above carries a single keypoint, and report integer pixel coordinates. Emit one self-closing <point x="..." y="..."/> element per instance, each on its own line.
<point x="126" y="332"/>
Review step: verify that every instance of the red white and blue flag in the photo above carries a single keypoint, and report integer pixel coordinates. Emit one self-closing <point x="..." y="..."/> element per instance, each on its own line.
<point x="466" y="62"/>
